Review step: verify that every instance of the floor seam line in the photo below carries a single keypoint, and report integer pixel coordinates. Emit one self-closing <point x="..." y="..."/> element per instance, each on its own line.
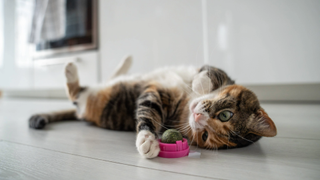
<point x="111" y="161"/>
<point x="297" y="138"/>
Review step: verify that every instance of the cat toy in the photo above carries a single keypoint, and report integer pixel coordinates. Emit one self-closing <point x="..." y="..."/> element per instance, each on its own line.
<point x="173" y="145"/>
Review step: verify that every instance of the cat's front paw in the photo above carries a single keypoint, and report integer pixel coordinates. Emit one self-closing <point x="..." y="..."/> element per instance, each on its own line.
<point x="147" y="144"/>
<point x="38" y="121"/>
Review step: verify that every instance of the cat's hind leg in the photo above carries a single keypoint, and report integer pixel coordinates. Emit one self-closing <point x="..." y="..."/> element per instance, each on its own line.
<point x="39" y="121"/>
<point x="86" y="99"/>
<point x="73" y="87"/>
<point x="123" y="67"/>
<point x="77" y="94"/>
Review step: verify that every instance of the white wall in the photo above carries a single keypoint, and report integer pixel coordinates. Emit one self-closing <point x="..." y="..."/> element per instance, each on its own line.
<point x="12" y="76"/>
<point x="257" y="42"/>
<point x="266" y="42"/>
<point x="157" y="33"/>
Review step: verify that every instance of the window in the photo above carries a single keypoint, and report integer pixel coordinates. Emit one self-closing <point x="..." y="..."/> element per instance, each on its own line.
<point x="23" y="50"/>
<point x="1" y="33"/>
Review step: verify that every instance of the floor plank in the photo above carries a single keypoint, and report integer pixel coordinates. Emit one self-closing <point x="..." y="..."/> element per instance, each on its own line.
<point x="295" y="120"/>
<point x="25" y="162"/>
<point x="294" y="153"/>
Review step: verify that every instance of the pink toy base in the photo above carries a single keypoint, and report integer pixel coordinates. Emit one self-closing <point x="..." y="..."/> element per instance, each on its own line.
<point x="179" y="149"/>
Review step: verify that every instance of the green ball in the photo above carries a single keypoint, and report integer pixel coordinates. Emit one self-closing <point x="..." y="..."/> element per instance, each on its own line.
<point x="171" y="136"/>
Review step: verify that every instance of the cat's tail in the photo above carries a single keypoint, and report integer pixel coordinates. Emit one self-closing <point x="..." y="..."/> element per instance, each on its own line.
<point x="123" y="67"/>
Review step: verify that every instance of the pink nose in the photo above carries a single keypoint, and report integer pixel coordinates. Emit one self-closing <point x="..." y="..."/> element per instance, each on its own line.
<point x="197" y="117"/>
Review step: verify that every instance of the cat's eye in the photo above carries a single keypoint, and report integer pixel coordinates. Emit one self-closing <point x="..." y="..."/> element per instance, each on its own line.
<point x="225" y="116"/>
<point x="205" y="136"/>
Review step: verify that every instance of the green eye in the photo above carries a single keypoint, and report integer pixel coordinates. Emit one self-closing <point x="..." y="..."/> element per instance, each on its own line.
<point x="225" y="116"/>
<point x="205" y="136"/>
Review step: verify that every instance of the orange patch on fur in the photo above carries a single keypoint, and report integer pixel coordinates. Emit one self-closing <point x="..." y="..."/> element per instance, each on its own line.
<point x="221" y="134"/>
<point x="214" y="140"/>
<point x="73" y="90"/>
<point x="217" y="138"/>
<point x="234" y="90"/>
<point x="95" y="105"/>
<point x="219" y="127"/>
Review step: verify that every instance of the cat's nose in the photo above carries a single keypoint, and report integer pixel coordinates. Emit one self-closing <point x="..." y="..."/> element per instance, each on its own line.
<point x="197" y="117"/>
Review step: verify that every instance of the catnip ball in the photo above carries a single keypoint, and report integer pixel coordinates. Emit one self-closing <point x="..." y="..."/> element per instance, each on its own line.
<point x="171" y="136"/>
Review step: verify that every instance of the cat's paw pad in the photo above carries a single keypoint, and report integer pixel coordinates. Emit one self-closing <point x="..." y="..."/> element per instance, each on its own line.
<point x="38" y="121"/>
<point x="71" y="73"/>
<point x="147" y="144"/>
<point x="201" y="83"/>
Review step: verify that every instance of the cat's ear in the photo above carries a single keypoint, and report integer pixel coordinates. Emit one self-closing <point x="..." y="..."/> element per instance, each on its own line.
<point x="201" y="83"/>
<point x="262" y="125"/>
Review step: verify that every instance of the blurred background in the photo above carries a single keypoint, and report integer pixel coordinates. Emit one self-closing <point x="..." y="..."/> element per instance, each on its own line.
<point x="270" y="46"/>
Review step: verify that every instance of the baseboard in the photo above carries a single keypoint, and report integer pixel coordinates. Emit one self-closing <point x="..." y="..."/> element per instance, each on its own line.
<point x="35" y="93"/>
<point x="266" y="93"/>
<point x="287" y="92"/>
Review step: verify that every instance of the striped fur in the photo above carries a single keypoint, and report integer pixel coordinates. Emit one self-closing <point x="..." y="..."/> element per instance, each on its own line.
<point x="152" y="103"/>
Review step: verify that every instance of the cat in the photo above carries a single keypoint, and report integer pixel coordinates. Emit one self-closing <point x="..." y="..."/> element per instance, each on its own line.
<point x="204" y="104"/>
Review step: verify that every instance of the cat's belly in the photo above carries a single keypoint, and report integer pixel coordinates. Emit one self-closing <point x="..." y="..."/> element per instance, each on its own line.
<point x="112" y="107"/>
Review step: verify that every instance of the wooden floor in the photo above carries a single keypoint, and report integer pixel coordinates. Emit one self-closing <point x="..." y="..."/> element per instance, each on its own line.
<point x="77" y="150"/>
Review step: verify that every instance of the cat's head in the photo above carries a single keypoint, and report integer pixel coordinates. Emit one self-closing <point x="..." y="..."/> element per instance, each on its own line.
<point x="230" y="116"/>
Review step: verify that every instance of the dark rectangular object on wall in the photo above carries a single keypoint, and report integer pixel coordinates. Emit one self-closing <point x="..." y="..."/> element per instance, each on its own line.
<point x="81" y="30"/>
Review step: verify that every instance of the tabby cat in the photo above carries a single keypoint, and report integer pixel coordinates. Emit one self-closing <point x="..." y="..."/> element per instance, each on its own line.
<point x="204" y="104"/>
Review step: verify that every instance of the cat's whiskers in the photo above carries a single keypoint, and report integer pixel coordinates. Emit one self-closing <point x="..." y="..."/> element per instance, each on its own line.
<point x="241" y="136"/>
<point x="182" y="126"/>
<point x="187" y="89"/>
<point x="179" y="127"/>
<point x="179" y="124"/>
<point x="186" y="132"/>
<point x="154" y="121"/>
<point x="228" y="140"/>
<point x="216" y="150"/>
<point x="219" y="134"/>
<point x="202" y="87"/>
<point x="192" y="139"/>
<point x="178" y="121"/>
<point x="209" y="82"/>
<point x="183" y="129"/>
<point x="197" y="143"/>
<point x="212" y="129"/>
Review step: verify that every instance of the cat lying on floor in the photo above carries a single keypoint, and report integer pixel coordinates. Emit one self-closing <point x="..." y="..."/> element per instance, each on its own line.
<point x="204" y="104"/>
